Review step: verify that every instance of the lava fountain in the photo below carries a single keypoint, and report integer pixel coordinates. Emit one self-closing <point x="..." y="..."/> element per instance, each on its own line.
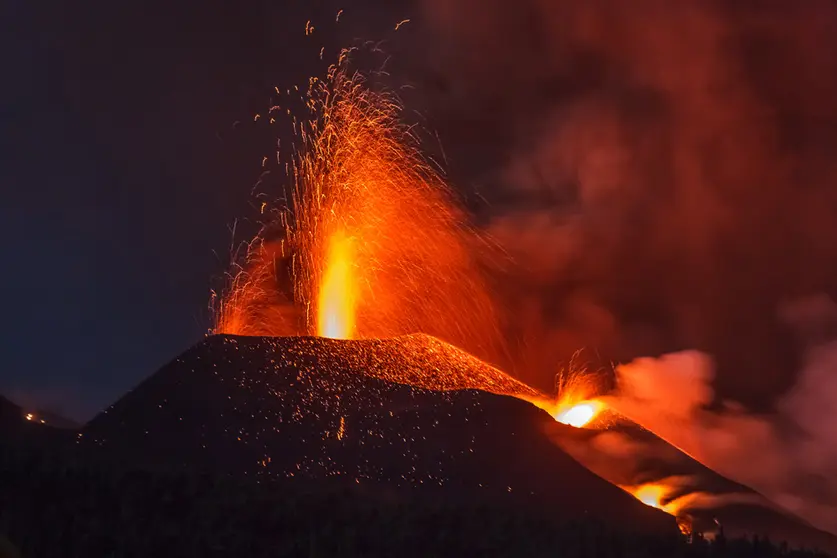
<point x="374" y="240"/>
<point x="338" y="293"/>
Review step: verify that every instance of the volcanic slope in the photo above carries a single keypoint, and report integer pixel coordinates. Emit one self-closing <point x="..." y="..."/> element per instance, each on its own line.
<point x="740" y="510"/>
<point x="359" y="413"/>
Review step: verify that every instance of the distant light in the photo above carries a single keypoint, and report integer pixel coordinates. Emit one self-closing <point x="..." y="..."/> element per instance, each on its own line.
<point x="29" y="416"/>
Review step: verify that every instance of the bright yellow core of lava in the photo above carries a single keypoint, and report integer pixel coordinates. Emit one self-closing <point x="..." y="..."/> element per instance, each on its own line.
<point x="338" y="291"/>
<point x="579" y="414"/>
<point x="650" y="495"/>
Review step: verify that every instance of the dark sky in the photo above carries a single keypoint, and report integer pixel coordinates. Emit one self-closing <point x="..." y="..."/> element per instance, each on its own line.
<point x="661" y="174"/>
<point x="122" y="172"/>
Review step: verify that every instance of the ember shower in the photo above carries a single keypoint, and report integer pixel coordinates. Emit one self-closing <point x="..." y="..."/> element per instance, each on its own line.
<point x="374" y="243"/>
<point x="375" y="246"/>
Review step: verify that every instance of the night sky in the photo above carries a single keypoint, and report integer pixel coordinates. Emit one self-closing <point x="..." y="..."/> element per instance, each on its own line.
<point x="122" y="172"/>
<point x="662" y="175"/>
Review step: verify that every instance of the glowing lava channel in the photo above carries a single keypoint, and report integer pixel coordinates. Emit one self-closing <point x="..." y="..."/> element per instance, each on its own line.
<point x="337" y="300"/>
<point x="650" y="495"/>
<point x="661" y="495"/>
<point x="578" y="415"/>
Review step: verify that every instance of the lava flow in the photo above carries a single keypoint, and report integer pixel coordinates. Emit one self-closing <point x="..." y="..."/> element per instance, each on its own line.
<point x="650" y="494"/>
<point x="672" y="496"/>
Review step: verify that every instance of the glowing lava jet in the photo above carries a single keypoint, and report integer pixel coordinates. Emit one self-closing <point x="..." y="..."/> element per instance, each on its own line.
<point x="338" y="293"/>
<point x="374" y="241"/>
<point x="576" y="404"/>
<point x="580" y="414"/>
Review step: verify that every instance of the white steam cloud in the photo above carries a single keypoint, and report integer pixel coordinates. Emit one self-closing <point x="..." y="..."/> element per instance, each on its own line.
<point x="790" y="456"/>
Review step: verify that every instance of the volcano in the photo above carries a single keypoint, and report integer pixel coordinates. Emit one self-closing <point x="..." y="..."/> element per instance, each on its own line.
<point x="398" y="415"/>
<point x="392" y="417"/>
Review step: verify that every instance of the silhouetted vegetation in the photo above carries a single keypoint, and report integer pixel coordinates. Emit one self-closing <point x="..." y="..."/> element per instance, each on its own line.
<point x="56" y="505"/>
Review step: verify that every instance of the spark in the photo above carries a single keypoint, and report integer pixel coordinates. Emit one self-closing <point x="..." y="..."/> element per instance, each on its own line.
<point x="400" y="23"/>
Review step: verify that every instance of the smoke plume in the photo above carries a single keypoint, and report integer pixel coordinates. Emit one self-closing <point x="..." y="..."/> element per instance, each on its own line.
<point x="789" y="456"/>
<point x="659" y="172"/>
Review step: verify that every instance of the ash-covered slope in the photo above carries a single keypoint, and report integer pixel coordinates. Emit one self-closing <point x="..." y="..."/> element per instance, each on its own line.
<point x="740" y="510"/>
<point x="310" y="408"/>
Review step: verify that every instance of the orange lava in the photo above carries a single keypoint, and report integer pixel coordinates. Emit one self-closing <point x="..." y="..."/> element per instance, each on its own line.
<point x="374" y="242"/>
<point x="662" y="495"/>
<point x="375" y="246"/>
<point x="374" y="249"/>
<point x="650" y="495"/>
<point x="338" y="292"/>
<point x="577" y="404"/>
<point x="417" y="360"/>
<point x="578" y="415"/>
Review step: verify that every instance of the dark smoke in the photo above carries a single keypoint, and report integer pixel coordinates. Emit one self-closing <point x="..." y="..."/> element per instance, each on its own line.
<point x="661" y="172"/>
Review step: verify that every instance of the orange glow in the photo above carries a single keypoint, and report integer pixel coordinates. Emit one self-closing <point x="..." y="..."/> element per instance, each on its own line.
<point x="580" y="414"/>
<point x="651" y="495"/>
<point x="662" y="495"/>
<point x="576" y="404"/>
<point x="373" y="244"/>
<point x="338" y="293"/>
<point x="416" y="360"/>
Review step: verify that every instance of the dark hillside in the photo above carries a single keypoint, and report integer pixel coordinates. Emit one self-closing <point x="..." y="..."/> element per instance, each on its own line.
<point x="314" y="409"/>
